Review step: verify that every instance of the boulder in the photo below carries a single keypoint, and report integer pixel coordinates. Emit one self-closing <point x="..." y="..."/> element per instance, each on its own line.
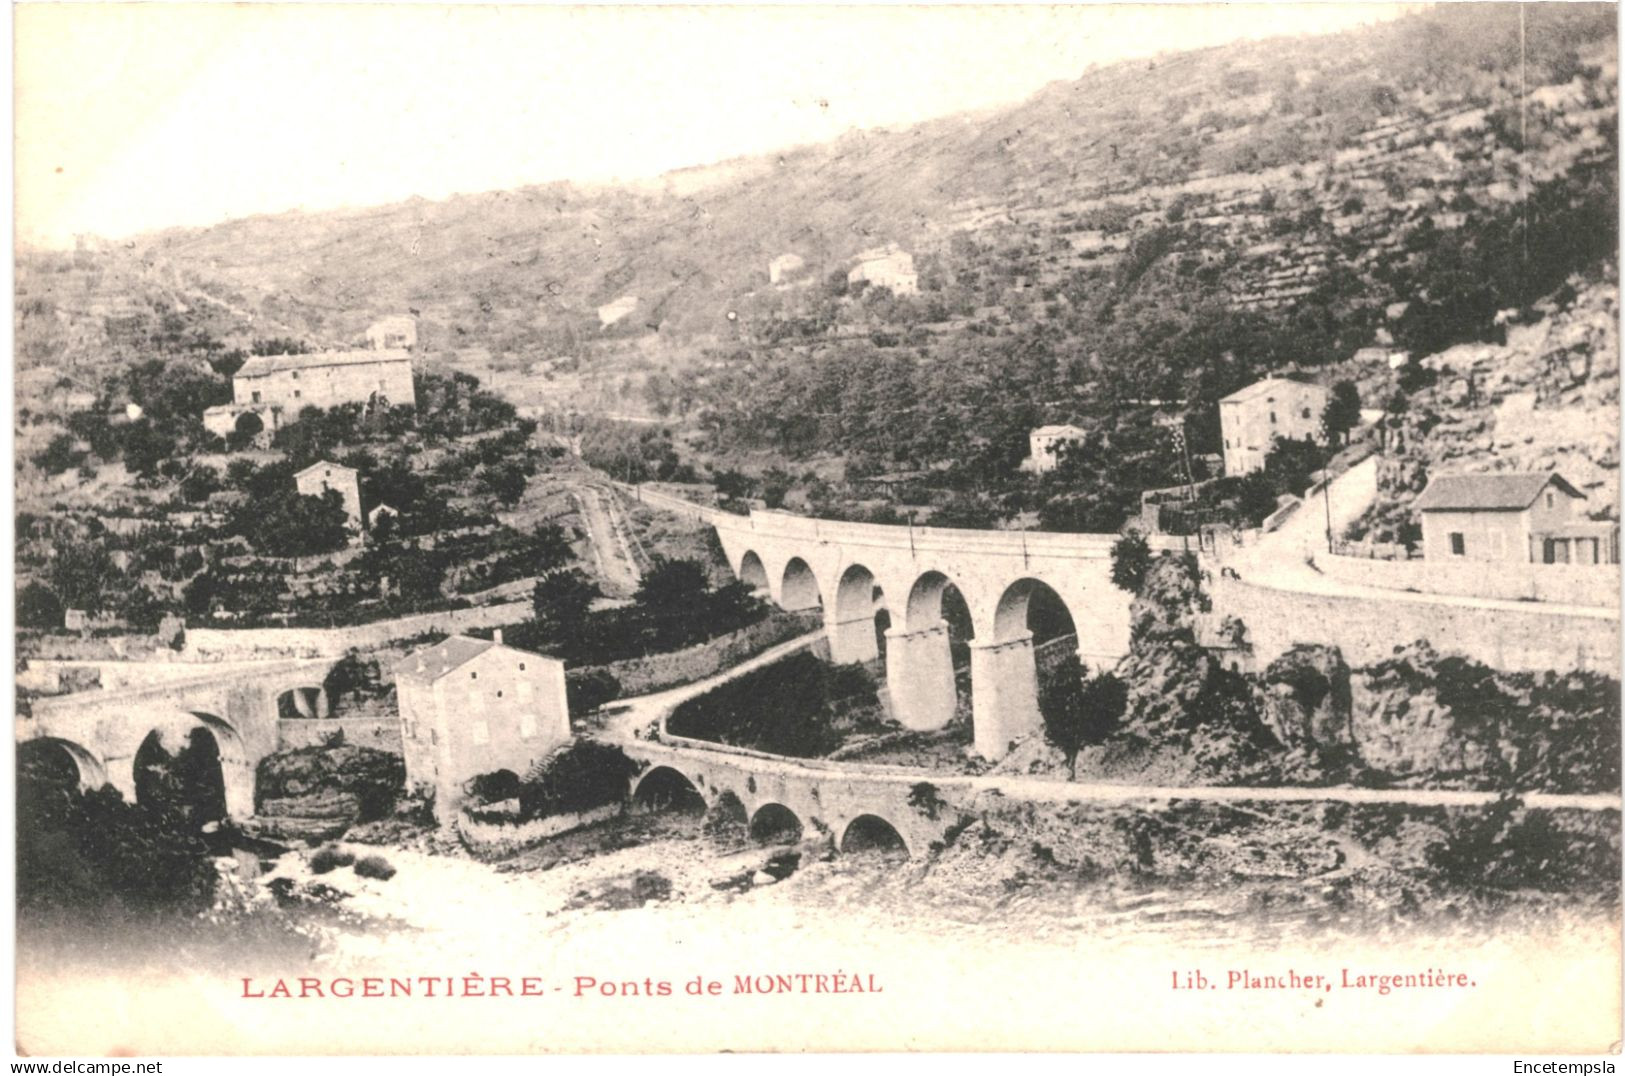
<point x="1307" y="701"/>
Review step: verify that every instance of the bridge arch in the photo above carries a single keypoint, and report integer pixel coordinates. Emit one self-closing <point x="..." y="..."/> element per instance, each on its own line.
<point x="798" y="588"/>
<point x="753" y="573"/>
<point x="175" y="730"/>
<point x="920" y="683"/>
<point x="308" y="701"/>
<point x="1005" y="667"/>
<point x="90" y="770"/>
<point x="852" y="629"/>
<point x="774" y="823"/>
<point x="872" y="833"/>
<point x="664" y="788"/>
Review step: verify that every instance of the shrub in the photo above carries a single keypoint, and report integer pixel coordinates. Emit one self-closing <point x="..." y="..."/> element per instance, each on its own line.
<point x="375" y="867"/>
<point x="1131" y="559"/>
<point x="330" y="858"/>
<point x="582" y="776"/>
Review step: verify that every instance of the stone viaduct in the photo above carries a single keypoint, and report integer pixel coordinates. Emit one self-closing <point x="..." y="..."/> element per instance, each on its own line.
<point x="238" y="705"/>
<point x="853" y="570"/>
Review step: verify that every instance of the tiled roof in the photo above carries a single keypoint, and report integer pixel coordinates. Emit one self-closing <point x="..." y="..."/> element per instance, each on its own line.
<point x="263" y="365"/>
<point x="1269" y="384"/>
<point x="442" y="658"/>
<point x="1489" y="492"/>
<point x="328" y="465"/>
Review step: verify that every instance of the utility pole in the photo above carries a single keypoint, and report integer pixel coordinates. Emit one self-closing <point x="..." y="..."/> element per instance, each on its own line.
<point x="1326" y="499"/>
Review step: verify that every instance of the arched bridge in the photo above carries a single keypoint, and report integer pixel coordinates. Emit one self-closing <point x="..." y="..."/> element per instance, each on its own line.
<point x="857" y="809"/>
<point x="101" y="731"/>
<point x="854" y="570"/>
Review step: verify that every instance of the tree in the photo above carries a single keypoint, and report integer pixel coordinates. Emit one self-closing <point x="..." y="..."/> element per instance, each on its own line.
<point x="59" y="455"/>
<point x="560" y="604"/>
<point x="504" y="481"/>
<point x="38" y="607"/>
<point x="145" y="447"/>
<point x="291" y="524"/>
<point x="672" y="587"/>
<point x="198" y="486"/>
<point x="1131" y="560"/>
<point x="1342" y="412"/>
<point x="1079" y="709"/>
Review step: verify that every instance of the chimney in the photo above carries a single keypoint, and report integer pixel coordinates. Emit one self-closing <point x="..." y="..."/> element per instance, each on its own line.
<point x="496" y="636"/>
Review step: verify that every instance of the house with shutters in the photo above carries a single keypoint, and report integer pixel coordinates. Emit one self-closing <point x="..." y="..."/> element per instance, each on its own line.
<point x="474" y="706"/>
<point x="1532" y="518"/>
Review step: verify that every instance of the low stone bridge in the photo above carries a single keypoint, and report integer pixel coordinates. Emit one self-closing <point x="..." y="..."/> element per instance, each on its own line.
<point x="853" y="570"/>
<point x="101" y="731"/>
<point x="858" y="809"/>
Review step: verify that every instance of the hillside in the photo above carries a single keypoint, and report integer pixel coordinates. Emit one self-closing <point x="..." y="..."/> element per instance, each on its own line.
<point x="1545" y="399"/>
<point x="1153" y="230"/>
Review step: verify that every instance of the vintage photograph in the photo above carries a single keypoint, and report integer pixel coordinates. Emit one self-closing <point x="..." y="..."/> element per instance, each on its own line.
<point x="551" y="529"/>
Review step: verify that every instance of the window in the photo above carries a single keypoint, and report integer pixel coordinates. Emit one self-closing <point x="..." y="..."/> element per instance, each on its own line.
<point x="256" y="396"/>
<point x="527" y="724"/>
<point x="1306" y="412"/>
<point x="1551" y="499"/>
<point x="481" y="731"/>
<point x="296" y="394"/>
<point x="1458" y="544"/>
<point x="521" y="666"/>
<point x="473" y="676"/>
<point x="1272" y="418"/>
<point x="296" y="375"/>
<point x="524" y="691"/>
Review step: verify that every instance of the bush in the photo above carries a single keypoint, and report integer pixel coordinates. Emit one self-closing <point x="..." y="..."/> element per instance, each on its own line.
<point x="1131" y="559"/>
<point x="330" y="858"/>
<point x="582" y="776"/>
<point x="375" y="867"/>
<point x="587" y="690"/>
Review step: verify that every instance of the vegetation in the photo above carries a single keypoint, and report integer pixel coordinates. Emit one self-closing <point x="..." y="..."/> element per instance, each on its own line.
<point x="676" y="606"/>
<point x="1080" y="710"/>
<point x="792" y="707"/>
<point x="580" y="777"/>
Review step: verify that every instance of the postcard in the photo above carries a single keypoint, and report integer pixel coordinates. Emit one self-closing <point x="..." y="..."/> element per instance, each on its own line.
<point x="606" y="529"/>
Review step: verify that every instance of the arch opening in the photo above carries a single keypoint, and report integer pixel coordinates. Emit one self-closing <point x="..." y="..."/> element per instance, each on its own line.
<point x="752" y="572"/>
<point x="302" y="702"/>
<point x="249" y="425"/>
<point x="182" y="772"/>
<point x="869" y="834"/>
<point x="800" y="587"/>
<point x="665" y="789"/>
<point x="52" y="762"/>
<point x="857" y="631"/>
<point x="1030" y="606"/>
<point x="774" y="823"/>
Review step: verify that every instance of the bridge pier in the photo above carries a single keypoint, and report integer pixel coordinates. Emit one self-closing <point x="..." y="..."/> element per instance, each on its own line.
<point x="851" y="640"/>
<point x="1004" y="693"/>
<point x="920" y="677"/>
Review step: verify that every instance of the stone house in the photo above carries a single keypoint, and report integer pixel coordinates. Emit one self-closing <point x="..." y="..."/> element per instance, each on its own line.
<point x="474" y="706"/>
<point x="1044" y="446"/>
<point x="1532" y="518"/>
<point x="324" y="475"/>
<point x="396" y="333"/>
<point x="1252" y="419"/>
<point x="889" y="267"/>
<point x="785" y="266"/>
<point x="275" y="388"/>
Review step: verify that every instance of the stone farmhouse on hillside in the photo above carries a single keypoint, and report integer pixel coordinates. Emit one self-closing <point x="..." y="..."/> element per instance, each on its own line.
<point x="889" y="267"/>
<point x="1253" y="418"/>
<point x="324" y="475"/>
<point x="474" y="706"/>
<point x="1527" y="518"/>
<point x="396" y="333"/>
<point x="275" y="388"/>
<point x="1044" y="446"/>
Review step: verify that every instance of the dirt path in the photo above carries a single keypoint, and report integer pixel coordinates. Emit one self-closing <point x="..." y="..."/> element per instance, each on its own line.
<point x="611" y="544"/>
